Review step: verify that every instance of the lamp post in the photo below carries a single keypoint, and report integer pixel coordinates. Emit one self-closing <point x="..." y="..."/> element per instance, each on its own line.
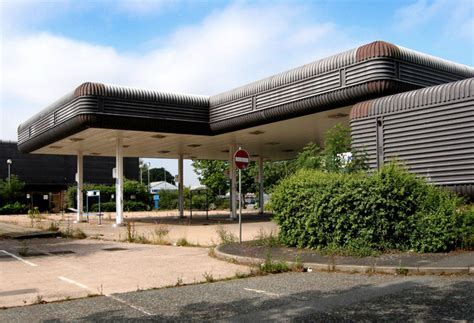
<point x="164" y="174"/>
<point x="9" y="162"/>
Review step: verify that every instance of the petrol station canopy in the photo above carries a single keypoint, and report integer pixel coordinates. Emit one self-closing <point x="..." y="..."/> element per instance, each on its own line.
<point x="272" y="118"/>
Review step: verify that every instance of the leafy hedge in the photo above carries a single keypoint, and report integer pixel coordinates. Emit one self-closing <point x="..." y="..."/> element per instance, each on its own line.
<point x="390" y="209"/>
<point x="14" y="208"/>
<point x="138" y="190"/>
<point x="128" y="206"/>
<point x="169" y="200"/>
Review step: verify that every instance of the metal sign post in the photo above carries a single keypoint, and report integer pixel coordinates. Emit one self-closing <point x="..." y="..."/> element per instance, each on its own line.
<point x="241" y="160"/>
<point x="94" y="193"/>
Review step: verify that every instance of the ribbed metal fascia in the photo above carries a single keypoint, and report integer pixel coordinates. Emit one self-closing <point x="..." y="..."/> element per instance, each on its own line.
<point x="297" y="74"/>
<point x="431" y="131"/>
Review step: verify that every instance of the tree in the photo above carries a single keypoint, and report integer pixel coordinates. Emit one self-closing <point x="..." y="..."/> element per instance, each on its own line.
<point x="212" y="173"/>
<point x="156" y="175"/>
<point x="337" y="140"/>
<point x="11" y="191"/>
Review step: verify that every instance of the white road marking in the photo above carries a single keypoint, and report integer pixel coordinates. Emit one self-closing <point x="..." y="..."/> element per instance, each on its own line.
<point x="258" y="291"/>
<point x="20" y="259"/>
<point x="73" y="282"/>
<point x="138" y="308"/>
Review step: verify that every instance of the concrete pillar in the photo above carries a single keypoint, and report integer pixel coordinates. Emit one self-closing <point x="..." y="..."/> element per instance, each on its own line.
<point x="119" y="182"/>
<point x="260" y="185"/>
<point x="233" y="182"/>
<point x="80" y="186"/>
<point x="180" y="186"/>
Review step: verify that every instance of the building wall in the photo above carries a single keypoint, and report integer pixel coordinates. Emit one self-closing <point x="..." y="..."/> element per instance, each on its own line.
<point x="58" y="171"/>
<point x="430" y="130"/>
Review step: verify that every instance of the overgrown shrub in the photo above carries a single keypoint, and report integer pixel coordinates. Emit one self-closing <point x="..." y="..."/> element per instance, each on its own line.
<point x="14" y="208"/>
<point x="130" y="189"/>
<point x="390" y="209"/>
<point x="128" y="206"/>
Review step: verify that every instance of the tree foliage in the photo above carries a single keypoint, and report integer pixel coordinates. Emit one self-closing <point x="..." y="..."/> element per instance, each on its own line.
<point x="337" y="141"/>
<point x="11" y="191"/>
<point x="156" y="174"/>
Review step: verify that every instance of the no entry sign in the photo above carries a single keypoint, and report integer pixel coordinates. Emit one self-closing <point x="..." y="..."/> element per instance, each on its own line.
<point x="241" y="159"/>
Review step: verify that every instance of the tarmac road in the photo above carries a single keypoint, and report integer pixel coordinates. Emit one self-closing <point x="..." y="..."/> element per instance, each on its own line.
<point x="304" y="297"/>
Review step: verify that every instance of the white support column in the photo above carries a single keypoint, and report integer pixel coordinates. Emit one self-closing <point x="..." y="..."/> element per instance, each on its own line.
<point x="80" y="186"/>
<point x="181" y="186"/>
<point x="260" y="185"/>
<point x="119" y="182"/>
<point x="233" y="182"/>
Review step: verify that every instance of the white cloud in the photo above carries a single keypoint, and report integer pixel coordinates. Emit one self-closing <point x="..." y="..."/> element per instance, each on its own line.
<point x="455" y="18"/>
<point x="229" y="48"/>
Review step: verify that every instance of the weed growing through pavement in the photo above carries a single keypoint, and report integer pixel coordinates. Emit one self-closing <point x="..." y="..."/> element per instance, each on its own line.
<point x="182" y="242"/>
<point x="401" y="270"/>
<point x="34" y="215"/>
<point x="39" y="300"/>
<point x="131" y="233"/>
<point x="211" y="252"/>
<point x="100" y="290"/>
<point x="226" y="237"/>
<point x="208" y="277"/>
<point x="179" y="282"/>
<point x="160" y="234"/>
<point x="75" y="233"/>
<point x="272" y="267"/>
<point x="23" y="251"/>
<point x="53" y="226"/>
<point x="266" y="239"/>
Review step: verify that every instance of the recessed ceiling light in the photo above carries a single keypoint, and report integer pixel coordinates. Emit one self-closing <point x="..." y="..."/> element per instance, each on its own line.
<point x="256" y="132"/>
<point x="158" y="136"/>
<point x="75" y="139"/>
<point x="163" y="151"/>
<point x="225" y="151"/>
<point x="192" y="157"/>
<point x="95" y="154"/>
<point x="287" y="150"/>
<point x="55" y="147"/>
<point x="271" y="143"/>
<point x="194" y="145"/>
<point x="254" y="155"/>
<point x="126" y="146"/>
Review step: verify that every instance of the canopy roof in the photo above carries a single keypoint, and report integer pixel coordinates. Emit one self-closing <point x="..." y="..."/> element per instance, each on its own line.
<point x="273" y="117"/>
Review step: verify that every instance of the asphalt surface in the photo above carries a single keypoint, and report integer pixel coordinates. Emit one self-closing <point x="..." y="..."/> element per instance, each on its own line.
<point x="401" y="259"/>
<point x="302" y="297"/>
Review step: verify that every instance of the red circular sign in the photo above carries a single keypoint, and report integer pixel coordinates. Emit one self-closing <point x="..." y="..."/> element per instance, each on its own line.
<point x="241" y="159"/>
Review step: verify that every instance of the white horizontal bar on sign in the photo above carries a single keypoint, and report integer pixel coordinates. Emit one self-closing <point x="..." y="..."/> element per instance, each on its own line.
<point x="242" y="159"/>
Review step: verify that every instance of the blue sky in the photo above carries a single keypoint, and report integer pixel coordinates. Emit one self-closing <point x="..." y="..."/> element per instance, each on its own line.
<point x="203" y="47"/>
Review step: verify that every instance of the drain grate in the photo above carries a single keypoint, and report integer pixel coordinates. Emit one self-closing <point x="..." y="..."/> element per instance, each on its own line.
<point x="114" y="249"/>
<point x="62" y="252"/>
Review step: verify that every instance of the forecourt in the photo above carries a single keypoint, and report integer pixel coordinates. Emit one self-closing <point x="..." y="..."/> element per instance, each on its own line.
<point x="272" y="118"/>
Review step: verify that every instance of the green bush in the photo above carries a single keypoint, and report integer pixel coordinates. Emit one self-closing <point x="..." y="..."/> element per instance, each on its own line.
<point x="390" y="209"/>
<point x="168" y="200"/>
<point x="222" y="203"/>
<point x="138" y="190"/>
<point x="14" y="208"/>
<point x="127" y="206"/>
